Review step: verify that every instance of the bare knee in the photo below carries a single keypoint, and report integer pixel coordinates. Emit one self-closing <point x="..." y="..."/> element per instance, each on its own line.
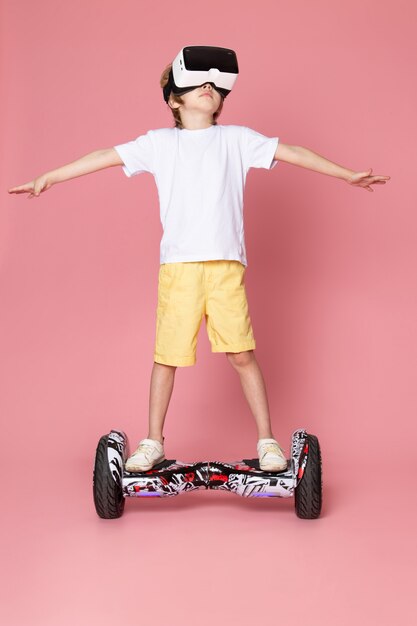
<point x="240" y="359"/>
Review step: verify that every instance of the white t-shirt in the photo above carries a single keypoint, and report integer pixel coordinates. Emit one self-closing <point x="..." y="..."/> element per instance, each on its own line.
<point x="200" y="176"/>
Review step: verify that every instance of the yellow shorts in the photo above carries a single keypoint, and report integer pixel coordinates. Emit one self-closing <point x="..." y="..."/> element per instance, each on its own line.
<point x="189" y="291"/>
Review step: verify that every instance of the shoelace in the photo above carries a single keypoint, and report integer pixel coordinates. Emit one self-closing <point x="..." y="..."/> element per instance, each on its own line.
<point x="271" y="447"/>
<point x="146" y="449"/>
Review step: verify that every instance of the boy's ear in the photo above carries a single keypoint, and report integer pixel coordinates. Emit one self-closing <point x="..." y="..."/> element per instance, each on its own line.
<point x="172" y="104"/>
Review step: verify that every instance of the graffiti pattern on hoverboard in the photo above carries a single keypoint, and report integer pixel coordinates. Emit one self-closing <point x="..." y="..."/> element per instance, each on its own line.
<point x="116" y="449"/>
<point x="236" y="477"/>
<point x="177" y="478"/>
<point x="173" y="477"/>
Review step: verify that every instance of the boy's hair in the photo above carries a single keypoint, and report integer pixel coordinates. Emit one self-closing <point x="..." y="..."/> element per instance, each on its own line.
<point x="179" y="100"/>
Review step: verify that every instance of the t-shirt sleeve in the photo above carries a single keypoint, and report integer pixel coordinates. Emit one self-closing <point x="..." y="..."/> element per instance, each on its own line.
<point x="138" y="155"/>
<point x="259" y="150"/>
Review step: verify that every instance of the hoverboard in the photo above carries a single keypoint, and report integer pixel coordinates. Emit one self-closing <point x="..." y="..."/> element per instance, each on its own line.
<point x="112" y="483"/>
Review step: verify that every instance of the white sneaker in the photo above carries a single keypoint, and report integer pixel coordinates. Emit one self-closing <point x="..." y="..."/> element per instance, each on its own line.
<point x="271" y="455"/>
<point x="147" y="454"/>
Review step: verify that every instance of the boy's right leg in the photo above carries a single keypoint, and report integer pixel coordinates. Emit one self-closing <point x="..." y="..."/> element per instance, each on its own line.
<point x="150" y="451"/>
<point x="162" y="384"/>
<point x="179" y="316"/>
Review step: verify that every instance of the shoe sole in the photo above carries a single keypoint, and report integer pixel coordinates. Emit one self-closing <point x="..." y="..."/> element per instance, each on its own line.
<point x="273" y="469"/>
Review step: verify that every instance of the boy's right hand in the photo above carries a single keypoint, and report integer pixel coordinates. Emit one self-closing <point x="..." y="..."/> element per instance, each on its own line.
<point x="34" y="188"/>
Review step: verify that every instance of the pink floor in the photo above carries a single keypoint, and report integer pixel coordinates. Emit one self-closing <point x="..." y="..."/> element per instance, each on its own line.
<point x="207" y="557"/>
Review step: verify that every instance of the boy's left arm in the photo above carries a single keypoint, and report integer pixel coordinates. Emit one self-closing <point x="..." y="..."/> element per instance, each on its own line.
<point x="298" y="155"/>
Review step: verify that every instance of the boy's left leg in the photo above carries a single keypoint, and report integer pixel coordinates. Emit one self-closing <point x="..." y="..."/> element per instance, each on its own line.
<point x="253" y="386"/>
<point x="271" y="455"/>
<point x="230" y="331"/>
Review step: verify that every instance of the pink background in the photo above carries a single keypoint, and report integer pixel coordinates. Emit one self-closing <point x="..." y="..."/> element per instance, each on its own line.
<point x="332" y="291"/>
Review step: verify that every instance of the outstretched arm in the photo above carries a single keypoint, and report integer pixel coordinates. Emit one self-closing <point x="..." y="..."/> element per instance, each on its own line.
<point x="92" y="162"/>
<point x="298" y="155"/>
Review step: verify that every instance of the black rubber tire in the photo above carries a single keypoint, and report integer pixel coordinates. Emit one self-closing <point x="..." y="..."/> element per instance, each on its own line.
<point x="308" y="492"/>
<point x="108" y="495"/>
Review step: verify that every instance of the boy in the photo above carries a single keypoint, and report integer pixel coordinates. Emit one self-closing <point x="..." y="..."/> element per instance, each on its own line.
<point x="200" y="169"/>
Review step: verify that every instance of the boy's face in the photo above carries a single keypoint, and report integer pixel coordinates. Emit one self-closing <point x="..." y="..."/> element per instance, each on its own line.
<point x="204" y="98"/>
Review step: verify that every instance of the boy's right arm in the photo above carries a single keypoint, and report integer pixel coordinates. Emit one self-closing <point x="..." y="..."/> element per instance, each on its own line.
<point x="92" y="162"/>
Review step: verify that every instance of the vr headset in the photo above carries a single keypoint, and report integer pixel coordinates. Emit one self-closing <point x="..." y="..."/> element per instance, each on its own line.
<point x="196" y="65"/>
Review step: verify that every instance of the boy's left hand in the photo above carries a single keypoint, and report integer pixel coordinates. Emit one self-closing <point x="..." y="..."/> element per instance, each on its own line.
<point x="365" y="179"/>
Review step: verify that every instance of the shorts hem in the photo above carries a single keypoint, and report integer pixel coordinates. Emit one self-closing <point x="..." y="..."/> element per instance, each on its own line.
<point x="181" y="361"/>
<point x="242" y="347"/>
